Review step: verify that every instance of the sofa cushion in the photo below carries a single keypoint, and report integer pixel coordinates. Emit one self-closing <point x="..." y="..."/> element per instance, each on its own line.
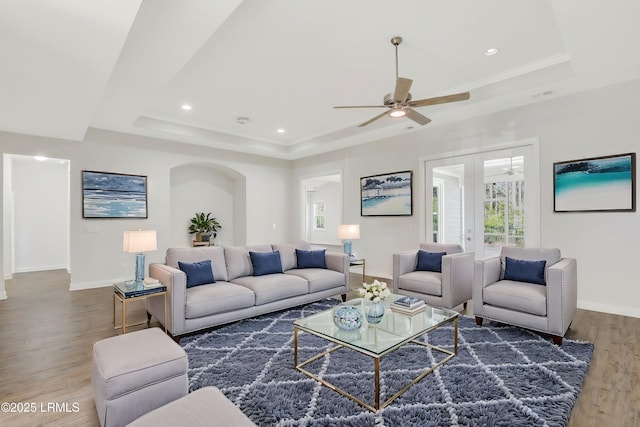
<point x="430" y="261"/>
<point x="274" y="287"/>
<point x="449" y="248"/>
<point x="218" y="298"/>
<point x="198" y="273"/>
<point x="288" y="253"/>
<point x="215" y="253"/>
<point x="524" y="271"/>
<point x="520" y="296"/>
<point x="310" y="259"/>
<point x="425" y="282"/>
<point x="238" y="260"/>
<point x="319" y="279"/>
<point x="265" y="263"/>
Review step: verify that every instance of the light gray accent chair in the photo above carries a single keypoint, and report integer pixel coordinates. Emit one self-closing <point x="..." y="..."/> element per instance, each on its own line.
<point x="449" y="289"/>
<point x="548" y="308"/>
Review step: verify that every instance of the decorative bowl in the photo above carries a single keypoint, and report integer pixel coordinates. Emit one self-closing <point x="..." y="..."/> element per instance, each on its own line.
<point x="347" y="318"/>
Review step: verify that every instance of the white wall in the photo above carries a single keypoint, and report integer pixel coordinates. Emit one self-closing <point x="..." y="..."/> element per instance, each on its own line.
<point x="199" y="188"/>
<point x="40" y="214"/>
<point x="590" y="124"/>
<point x="96" y="256"/>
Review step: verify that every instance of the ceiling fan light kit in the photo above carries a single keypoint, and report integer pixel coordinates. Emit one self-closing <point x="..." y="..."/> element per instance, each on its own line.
<point x="400" y="104"/>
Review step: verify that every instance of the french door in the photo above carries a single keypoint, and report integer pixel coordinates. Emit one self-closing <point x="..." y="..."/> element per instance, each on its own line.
<point x="483" y="201"/>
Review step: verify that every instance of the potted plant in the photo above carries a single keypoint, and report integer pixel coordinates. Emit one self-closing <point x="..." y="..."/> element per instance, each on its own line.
<point x="203" y="226"/>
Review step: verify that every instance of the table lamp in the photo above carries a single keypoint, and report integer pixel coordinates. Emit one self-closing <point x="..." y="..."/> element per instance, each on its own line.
<point x="138" y="242"/>
<point x="347" y="233"/>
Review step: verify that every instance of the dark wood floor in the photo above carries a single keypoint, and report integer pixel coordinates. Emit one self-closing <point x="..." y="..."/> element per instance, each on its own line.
<point x="47" y="334"/>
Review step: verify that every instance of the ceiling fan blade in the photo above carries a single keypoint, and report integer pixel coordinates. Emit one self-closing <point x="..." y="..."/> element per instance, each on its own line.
<point x="373" y="119"/>
<point x="362" y="106"/>
<point x="403" y="86"/>
<point x="439" y="100"/>
<point x="417" y="117"/>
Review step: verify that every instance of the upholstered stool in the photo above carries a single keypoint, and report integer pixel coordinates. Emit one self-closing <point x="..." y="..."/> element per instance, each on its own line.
<point x="136" y="373"/>
<point x="204" y="407"/>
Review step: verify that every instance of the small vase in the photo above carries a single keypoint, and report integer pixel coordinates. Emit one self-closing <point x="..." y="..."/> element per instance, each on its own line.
<point x="375" y="311"/>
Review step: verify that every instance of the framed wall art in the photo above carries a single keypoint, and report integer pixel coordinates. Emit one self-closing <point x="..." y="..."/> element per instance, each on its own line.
<point x="597" y="184"/>
<point x="387" y="194"/>
<point x="113" y="195"/>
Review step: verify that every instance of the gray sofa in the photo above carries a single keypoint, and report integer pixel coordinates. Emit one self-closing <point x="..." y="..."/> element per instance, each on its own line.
<point x="238" y="294"/>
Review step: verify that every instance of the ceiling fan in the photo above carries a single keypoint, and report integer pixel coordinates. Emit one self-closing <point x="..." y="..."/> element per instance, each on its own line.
<point x="510" y="171"/>
<point x="399" y="104"/>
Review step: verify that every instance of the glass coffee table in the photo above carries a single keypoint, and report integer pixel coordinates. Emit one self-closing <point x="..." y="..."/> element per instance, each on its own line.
<point x="376" y="340"/>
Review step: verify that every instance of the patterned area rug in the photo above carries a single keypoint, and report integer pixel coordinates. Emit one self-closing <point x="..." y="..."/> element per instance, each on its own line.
<point x="501" y="376"/>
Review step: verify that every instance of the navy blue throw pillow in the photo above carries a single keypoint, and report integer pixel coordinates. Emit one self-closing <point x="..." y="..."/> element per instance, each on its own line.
<point x="311" y="259"/>
<point x="430" y="261"/>
<point x="265" y="263"/>
<point x="198" y="273"/>
<point x="524" y="271"/>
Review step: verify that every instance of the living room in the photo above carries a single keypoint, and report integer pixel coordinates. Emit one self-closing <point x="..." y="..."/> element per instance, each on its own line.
<point x="265" y="190"/>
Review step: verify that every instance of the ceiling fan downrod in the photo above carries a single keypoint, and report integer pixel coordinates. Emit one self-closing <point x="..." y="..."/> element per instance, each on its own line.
<point x="396" y="41"/>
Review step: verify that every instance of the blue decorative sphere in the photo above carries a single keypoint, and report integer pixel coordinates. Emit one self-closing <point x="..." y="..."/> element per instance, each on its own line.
<point x="347" y="318"/>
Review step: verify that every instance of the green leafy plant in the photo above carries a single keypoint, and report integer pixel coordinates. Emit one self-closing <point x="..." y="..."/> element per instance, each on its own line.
<point x="204" y="223"/>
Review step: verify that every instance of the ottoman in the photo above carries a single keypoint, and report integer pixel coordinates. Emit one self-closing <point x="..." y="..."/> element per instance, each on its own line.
<point x="204" y="407"/>
<point x="136" y="373"/>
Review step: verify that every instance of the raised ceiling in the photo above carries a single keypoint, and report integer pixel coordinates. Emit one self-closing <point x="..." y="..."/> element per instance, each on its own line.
<point x="129" y="65"/>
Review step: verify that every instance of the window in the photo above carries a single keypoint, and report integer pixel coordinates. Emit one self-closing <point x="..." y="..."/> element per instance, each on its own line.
<point x="319" y="216"/>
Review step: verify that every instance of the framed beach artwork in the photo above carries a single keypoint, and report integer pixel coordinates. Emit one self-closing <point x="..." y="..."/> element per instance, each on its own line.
<point x="386" y="195"/>
<point x="597" y="184"/>
<point x="113" y="195"/>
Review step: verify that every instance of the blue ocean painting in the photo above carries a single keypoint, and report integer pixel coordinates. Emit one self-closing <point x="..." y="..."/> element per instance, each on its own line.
<point x="109" y="195"/>
<point x="598" y="184"/>
<point x="386" y="194"/>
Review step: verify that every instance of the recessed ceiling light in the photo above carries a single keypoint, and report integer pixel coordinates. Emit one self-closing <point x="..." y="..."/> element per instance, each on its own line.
<point x="490" y="52"/>
<point x="280" y="130"/>
<point x="40" y="158"/>
<point x="186" y="107"/>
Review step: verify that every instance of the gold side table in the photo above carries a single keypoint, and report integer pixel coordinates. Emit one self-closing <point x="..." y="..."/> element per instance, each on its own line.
<point x="359" y="262"/>
<point x="126" y="294"/>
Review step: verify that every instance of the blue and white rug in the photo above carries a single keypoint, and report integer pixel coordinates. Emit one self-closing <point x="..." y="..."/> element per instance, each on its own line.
<point x="501" y="376"/>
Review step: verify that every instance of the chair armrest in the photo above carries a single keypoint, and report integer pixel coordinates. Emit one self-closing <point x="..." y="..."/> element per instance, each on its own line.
<point x="457" y="278"/>
<point x="338" y="261"/>
<point x="403" y="263"/>
<point x="562" y="294"/>
<point x="486" y="272"/>
<point x="176" y="282"/>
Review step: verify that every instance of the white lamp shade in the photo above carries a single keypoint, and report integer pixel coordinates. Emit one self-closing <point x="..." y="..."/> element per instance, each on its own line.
<point x="139" y="241"/>
<point x="349" y="231"/>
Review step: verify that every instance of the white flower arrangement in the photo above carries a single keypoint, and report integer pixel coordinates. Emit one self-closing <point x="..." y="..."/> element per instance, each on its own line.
<point x="376" y="291"/>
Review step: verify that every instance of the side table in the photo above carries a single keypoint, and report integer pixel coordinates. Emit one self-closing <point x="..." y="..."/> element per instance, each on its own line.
<point x="126" y="294"/>
<point x="359" y="262"/>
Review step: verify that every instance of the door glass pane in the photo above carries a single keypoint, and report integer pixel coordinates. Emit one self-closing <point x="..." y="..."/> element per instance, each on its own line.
<point x="503" y="204"/>
<point x="448" y="209"/>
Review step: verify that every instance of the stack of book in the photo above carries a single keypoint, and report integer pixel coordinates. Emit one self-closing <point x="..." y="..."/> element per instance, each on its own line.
<point x="408" y="305"/>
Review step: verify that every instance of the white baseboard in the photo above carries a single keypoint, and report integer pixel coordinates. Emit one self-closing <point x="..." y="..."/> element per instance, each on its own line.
<point x="3" y="295"/>
<point x="611" y="309"/>
<point x="42" y="268"/>
<point x="78" y="286"/>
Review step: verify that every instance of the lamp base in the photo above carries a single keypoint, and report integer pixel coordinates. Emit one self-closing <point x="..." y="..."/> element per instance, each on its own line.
<point x="347" y="247"/>
<point x="139" y="277"/>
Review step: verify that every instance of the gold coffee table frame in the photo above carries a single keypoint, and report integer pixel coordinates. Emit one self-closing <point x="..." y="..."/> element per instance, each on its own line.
<point x="412" y="338"/>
